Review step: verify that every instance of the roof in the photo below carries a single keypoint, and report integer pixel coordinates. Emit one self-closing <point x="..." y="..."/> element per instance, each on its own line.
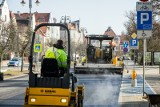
<point x="20" y="16"/>
<point x="99" y="37"/>
<point x="22" y="22"/>
<point x="42" y="18"/>
<point x="71" y="25"/>
<point x="109" y="32"/>
<point x="22" y="19"/>
<point x="12" y="15"/>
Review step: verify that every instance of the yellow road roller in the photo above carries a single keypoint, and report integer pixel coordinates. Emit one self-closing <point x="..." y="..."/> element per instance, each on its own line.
<point x="45" y="88"/>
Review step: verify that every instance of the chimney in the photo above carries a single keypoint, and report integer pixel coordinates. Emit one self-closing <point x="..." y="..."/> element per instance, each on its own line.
<point x="18" y="12"/>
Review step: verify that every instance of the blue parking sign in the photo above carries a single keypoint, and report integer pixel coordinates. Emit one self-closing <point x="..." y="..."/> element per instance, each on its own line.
<point x="144" y="20"/>
<point x="134" y="42"/>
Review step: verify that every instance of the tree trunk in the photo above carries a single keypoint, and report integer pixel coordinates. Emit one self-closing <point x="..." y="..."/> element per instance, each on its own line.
<point x="22" y="61"/>
<point x="1" y="59"/>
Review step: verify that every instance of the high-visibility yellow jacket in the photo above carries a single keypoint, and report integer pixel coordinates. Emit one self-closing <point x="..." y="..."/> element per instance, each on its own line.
<point x="84" y="59"/>
<point x="121" y="63"/>
<point x="59" y="54"/>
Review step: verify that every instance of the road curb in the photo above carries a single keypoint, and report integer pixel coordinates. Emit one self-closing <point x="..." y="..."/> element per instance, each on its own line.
<point x="13" y="77"/>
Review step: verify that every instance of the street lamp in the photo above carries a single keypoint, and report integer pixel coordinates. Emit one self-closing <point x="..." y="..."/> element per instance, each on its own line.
<point x="30" y="15"/>
<point x="64" y="19"/>
<point x="30" y="3"/>
<point x="30" y="7"/>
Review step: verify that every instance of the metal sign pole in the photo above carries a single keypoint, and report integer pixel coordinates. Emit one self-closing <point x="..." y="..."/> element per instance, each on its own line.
<point x="134" y="60"/>
<point x="144" y="49"/>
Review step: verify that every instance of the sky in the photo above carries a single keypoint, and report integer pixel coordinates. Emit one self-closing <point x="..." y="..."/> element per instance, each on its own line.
<point x="95" y="15"/>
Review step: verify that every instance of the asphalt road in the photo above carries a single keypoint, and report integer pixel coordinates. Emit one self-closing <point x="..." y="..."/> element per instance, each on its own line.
<point x="12" y="92"/>
<point x="100" y="90"/>
<point x="154" y="82"/>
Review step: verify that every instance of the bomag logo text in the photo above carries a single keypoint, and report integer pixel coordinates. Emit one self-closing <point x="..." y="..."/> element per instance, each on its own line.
<point x="50" y="91"/>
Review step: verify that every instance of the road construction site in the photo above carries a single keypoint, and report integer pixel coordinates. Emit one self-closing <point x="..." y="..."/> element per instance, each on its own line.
<point x="101" y="90"/>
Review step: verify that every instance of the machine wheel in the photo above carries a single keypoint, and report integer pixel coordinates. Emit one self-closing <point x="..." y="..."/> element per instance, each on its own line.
<point x="80" y="100"/>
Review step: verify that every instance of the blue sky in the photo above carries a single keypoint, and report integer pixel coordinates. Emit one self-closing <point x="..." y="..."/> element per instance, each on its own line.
<point x="95" y="15"/>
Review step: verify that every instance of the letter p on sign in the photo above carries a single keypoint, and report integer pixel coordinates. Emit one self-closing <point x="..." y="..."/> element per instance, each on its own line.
<point x="134" y="42"/>
<point x="144" y="20"/>
<point x="144" y="17"/>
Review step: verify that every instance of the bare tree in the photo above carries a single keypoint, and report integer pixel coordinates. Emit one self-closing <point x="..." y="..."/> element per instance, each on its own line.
<point x="7" y="34"/>
<point x="130" y="25"/>
<point x="81" y="48"/>
<point x="25" y="34"/>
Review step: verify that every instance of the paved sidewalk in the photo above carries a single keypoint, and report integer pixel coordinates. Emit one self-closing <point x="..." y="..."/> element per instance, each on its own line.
<point x="133" y="96"/>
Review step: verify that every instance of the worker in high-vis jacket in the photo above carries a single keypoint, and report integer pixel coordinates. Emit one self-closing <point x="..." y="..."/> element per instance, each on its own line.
<point x="57" y="52"/>
<point x="83" y="60"/>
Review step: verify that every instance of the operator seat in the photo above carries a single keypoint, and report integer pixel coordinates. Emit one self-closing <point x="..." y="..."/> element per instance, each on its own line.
<point x="49" y="67"/>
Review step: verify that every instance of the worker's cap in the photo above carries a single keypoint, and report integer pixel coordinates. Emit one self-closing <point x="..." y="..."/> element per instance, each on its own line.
<point x="59" y="42"/>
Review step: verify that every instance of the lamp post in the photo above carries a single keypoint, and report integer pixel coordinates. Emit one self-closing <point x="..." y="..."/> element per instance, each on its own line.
<point x="64" y="19"/>
<point x="30" y="8"/>
<point x="30" y="18"/>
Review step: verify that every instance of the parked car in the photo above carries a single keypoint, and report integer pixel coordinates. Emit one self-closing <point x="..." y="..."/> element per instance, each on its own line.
<point x="126" y="58"/>
<point x="123" y="58"/>
<point x="15" y="62"/>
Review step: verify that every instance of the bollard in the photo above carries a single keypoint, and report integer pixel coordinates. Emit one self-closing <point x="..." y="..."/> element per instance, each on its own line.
<point x="134" y="79"/>
<point x="115" y="61"/>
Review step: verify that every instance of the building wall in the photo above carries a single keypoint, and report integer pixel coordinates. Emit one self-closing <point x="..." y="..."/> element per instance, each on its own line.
<point x="55" y="31"/>
<point x="33" y="22"/>
<point x="5" y="14"/>
<point x="76" y="36"/>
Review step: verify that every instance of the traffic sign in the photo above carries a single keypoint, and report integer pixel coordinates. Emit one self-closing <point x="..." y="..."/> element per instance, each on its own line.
<point x="37" y="47"/>
<point x="144" y="6"/>
<point x="141" y="34"/>
<point x="134" y="36"/>
<point x="144" y="20"/>
<point x="126" y="44"/>
<point x="134" y="43"/>
<point x="125" y="50"/>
